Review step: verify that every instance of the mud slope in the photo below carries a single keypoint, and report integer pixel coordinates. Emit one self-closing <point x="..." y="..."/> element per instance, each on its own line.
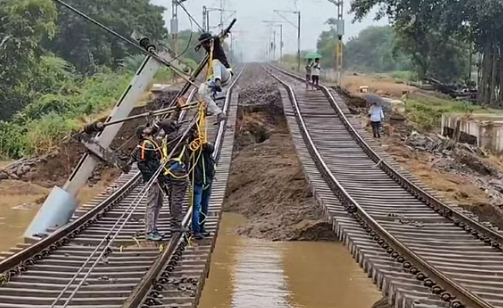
<point x="267" y="183"/>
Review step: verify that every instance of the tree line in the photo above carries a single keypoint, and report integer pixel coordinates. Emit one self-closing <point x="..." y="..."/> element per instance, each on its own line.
<point x="383" y="49"/>
<point x="56" y="67"/>
<point x="427" y="27"/>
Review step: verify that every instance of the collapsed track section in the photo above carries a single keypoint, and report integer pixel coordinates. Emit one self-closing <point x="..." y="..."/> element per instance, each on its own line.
<point x="101" y="259"/>
<point x="418" y="250"/>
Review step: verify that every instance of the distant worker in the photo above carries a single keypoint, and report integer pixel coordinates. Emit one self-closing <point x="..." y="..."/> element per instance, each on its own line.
<point x="309" y="66"/>
<point x="316" y="69"/>
<point x="220" y="77"/>
<point x="203" y="171"/>
<point x="148" y="156"/>
<point x="175" y="171"/>
<point x="376" y="117"/>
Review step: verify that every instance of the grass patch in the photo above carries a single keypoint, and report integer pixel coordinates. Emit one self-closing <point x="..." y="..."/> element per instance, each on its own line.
<point x="426" y="112"/>
<point x="41" y="126"/>
<point x="403" y="75"/>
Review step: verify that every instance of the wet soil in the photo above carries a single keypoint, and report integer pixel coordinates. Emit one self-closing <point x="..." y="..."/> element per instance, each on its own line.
<point x="267" y="184"/>
<point x="466" y="181"/>
<point x="55" y="167"/>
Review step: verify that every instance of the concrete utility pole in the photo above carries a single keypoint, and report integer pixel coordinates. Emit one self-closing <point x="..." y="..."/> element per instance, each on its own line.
<point x="205" y="15"/>
<point x="174" y="24"/>
<point x="298" y="31"/>
<point x="280" y="25"/>
<point x="340" y="33"/>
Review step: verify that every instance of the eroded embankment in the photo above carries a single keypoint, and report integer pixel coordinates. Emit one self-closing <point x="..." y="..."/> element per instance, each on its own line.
<point x="267" y="183"/>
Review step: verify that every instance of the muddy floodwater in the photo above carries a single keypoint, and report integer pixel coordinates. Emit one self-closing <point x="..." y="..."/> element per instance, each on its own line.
<point x="13" y="223"/>
<point x="255" y="273"/>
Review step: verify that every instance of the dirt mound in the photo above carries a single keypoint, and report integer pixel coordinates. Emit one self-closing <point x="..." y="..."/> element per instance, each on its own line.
<point x="267" y="184"/>
<point x="54" y="168"/>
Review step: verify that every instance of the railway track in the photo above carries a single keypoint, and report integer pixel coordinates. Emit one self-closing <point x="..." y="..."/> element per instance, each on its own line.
<point x="100" y="259"/>
<point x="418" y="250"/>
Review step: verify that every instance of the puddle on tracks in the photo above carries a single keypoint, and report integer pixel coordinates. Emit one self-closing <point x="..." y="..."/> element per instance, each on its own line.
<point x="255" y="273"/>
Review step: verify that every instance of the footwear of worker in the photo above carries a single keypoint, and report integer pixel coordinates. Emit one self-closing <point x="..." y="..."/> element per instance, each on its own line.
<point x="159" y="233"/>
<point x="177" y="227"/>
<point x="198" y="236"/>
<point x="152" y="236"/>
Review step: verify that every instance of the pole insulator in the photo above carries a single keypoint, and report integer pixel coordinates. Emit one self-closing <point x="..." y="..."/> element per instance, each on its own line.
<point x="145" y="43"/>
<point x="95" y="127"/>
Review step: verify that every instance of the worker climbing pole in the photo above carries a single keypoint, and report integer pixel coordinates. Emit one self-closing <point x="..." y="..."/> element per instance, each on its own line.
<point x="97" y="137"/>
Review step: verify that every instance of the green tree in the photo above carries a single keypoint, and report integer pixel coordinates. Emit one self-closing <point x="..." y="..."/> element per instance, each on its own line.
<point x="23" y="24"/>
<point x="473" y="22"/>
<point x="86" y="46"/>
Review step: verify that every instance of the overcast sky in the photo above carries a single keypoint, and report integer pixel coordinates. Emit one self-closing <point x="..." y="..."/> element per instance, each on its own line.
<point x="251" y="34"/>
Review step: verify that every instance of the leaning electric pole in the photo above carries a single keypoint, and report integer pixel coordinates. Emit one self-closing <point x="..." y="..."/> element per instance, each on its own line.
<point x="340" y="33"/>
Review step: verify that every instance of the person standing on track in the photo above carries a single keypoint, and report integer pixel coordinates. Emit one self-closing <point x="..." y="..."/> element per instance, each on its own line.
<point x="203" y="171"/>
<point x="309" y="67"/>
<point x="219" y="77"/>
<point x="315" y="72"/>
<point x="148" y="156"/>
<point x="175" y="170"/>
<point x="376" y="117"/>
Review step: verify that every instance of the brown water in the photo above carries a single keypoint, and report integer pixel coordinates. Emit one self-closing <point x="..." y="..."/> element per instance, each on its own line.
<point x="13" y="222"/>
<point x="254" y="273"/>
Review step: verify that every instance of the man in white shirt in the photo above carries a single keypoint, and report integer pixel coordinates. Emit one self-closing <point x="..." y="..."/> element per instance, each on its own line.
<point x="315" y="72"/>
<point x="376" y="116"/>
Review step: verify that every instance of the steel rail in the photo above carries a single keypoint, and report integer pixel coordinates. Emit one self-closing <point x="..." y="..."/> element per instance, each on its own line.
<point x="490" y="236"/>
<point x="153" y="275"/>
<point x="18" y="263"/>
<point x="458" y="295"/>
<point x="106" y="239"/>
<point x="129" y="211"/>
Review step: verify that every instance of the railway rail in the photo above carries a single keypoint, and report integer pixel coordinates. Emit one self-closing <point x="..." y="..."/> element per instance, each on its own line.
<point x="420" y="251"/>
<point x="100" y="259"/>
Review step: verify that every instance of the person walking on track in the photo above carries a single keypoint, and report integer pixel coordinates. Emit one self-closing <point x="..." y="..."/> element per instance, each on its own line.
<point x="219" y="75"/>
<point x="148" y="156"/>
<point x="309" y="67"/>
<point x="202" y="173"/>
<point x="315" y="72"/>
<point x="376" y="117"/>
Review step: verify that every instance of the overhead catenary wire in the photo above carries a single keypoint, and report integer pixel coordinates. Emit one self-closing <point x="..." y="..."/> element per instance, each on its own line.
<point x="129" y="210"/>
<point x="143" y="50"/>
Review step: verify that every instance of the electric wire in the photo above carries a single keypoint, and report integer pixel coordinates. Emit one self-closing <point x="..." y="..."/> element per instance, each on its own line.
<point x="129" y="210"/>
<point x="191" y="18"/>
<point x="149" y="53"/>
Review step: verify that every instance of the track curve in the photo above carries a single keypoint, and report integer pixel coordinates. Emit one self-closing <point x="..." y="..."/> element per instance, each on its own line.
<point x="420" y="251"/>
<point x="100" y="259"/>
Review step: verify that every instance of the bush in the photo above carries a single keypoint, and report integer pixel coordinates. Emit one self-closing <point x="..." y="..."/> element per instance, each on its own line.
<point x="41" y="126"/>
<point x="426" y="113"/>
<point x="47" y="133"/>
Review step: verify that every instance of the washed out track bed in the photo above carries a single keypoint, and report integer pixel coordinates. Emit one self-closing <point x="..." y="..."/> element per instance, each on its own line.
<point x="419" y="250"/>
<point x="101" y="259"/>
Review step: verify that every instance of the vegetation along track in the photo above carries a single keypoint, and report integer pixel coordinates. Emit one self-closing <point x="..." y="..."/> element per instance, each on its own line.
<point x="420" y="251"/>
<point x="100" y="258"/>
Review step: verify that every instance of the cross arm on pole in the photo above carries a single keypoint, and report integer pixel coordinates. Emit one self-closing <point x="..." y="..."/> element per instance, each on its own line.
<point x="286" y="19"/>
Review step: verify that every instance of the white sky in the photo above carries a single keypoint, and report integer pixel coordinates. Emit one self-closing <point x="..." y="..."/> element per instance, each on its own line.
<point x="251" y="34"/>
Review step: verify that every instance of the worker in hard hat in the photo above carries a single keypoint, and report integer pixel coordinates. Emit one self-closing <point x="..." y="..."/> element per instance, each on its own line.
<point x="148" y="156"/>
<point x="219" y="77"/>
